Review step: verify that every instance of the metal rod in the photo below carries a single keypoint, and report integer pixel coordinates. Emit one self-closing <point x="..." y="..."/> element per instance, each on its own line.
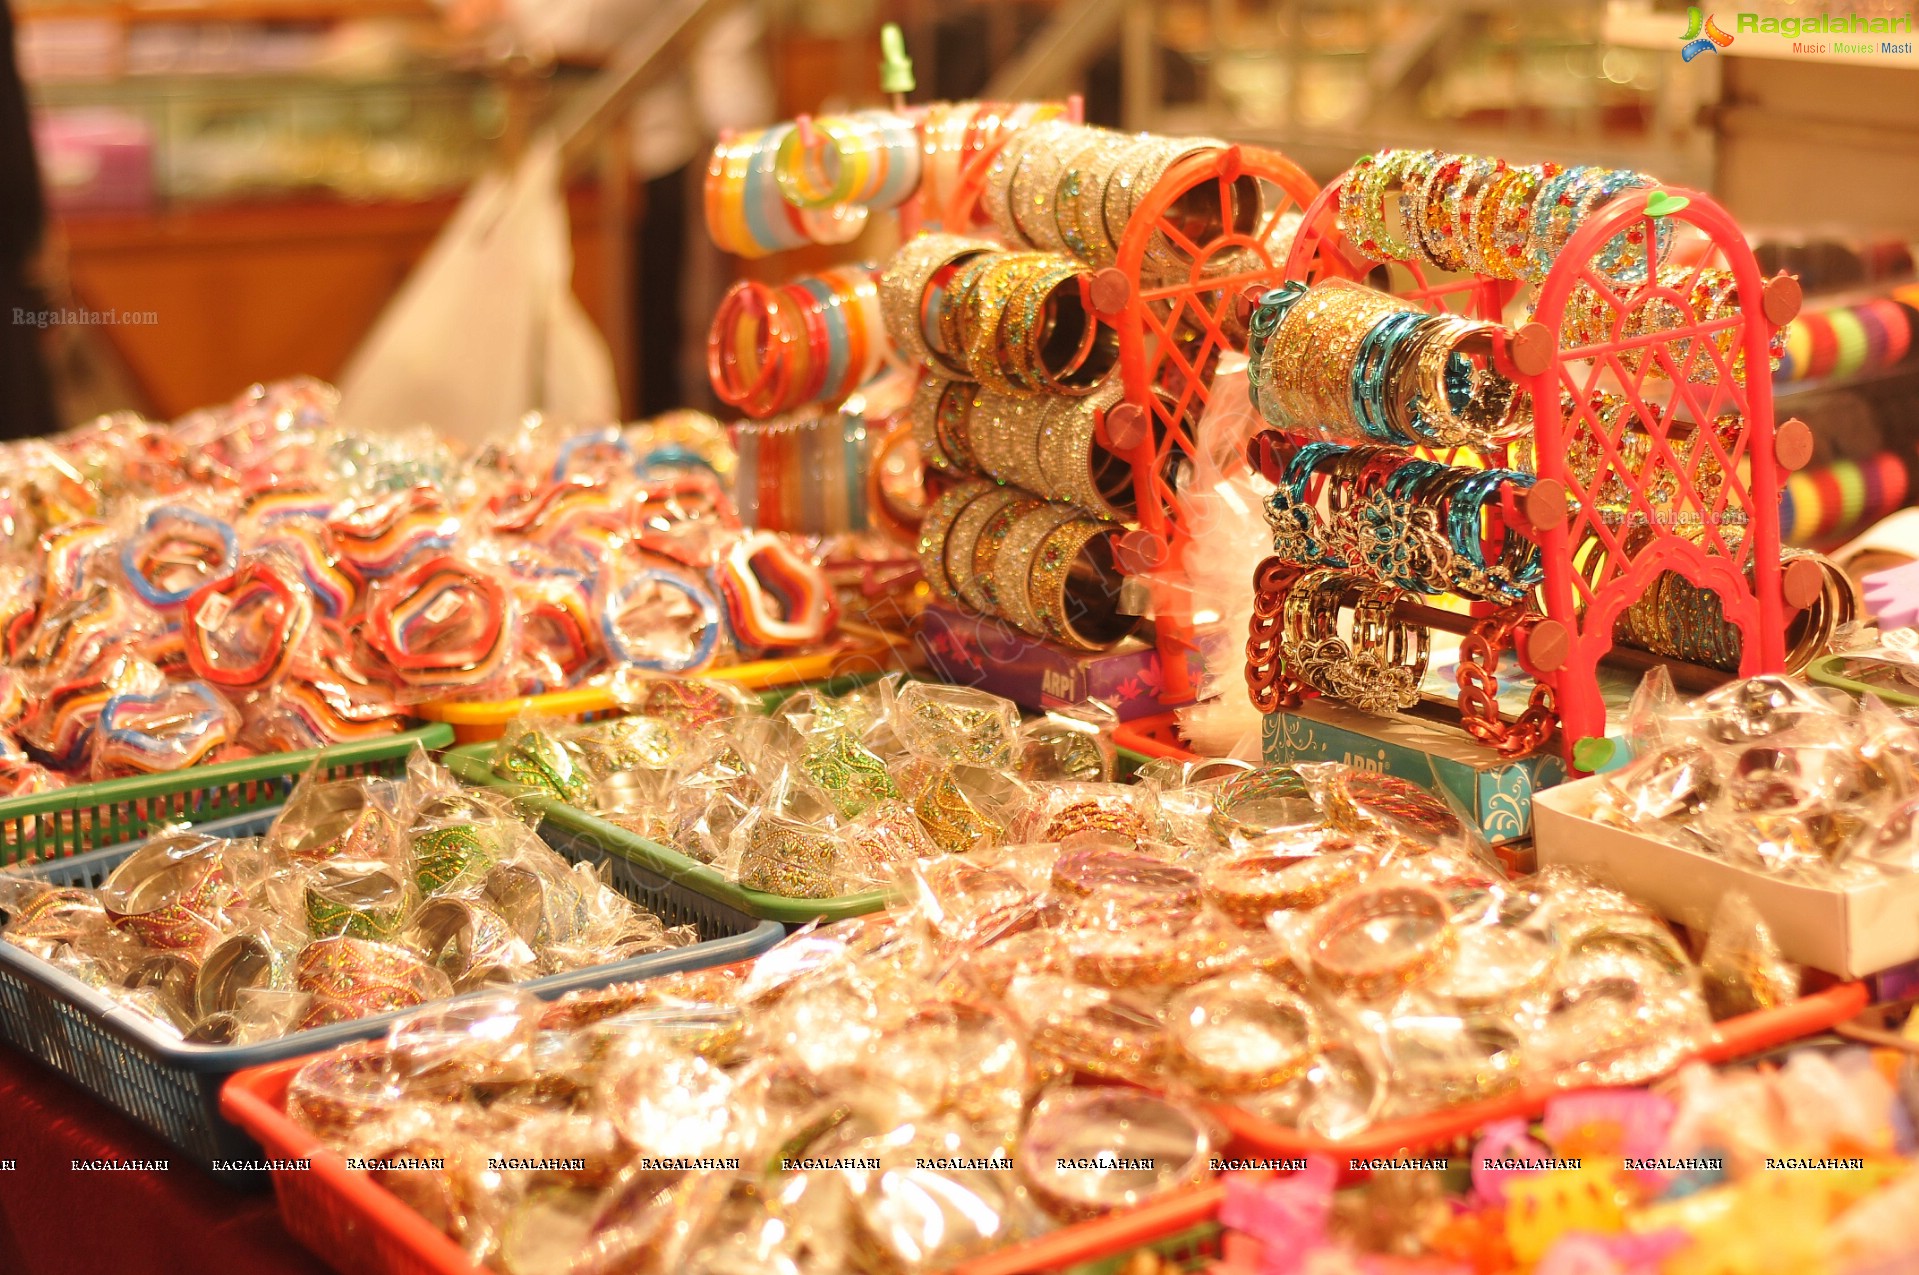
<point x="636" y="65"/>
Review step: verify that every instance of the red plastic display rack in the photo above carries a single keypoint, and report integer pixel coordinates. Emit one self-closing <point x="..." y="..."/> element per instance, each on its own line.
<point x="1562" y="643"/>
<point x="1155" y="736"/>
<point x="1172" y="331"/>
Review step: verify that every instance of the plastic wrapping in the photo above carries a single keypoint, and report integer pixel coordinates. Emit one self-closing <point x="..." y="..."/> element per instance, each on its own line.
<point x="365" y="895"/>
<point x="322" y="582"/>
<point x="1792" y="780"/>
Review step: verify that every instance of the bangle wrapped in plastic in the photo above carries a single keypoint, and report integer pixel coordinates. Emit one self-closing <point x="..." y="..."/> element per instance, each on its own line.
<point x="660" y="619"/>
<point x="179" y="727"/>
<point x="243" y="632"/>
<point x="776" y="597"/>
<point x="174" y="553"/>
<point x="441" y="624"/>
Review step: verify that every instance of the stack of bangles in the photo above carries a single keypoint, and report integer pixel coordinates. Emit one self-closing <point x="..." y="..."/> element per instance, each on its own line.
<point x="1843" y="341"/>
<point x="958" y="142"/>
<point x="1684" y="621"/>
<point x="789" y="185"/>
<point x="1046" y="569"/>
<point x="442" y="623"/>
<point x="1376" y="666"/>
<point x="1681" y="297"/>
<point x="1396" y="519"/>
<point x="1352" y="364"/>
<point x="1483" y="216"/>
<point x="1048" y="444"/>
<point x="816" y="339"/>
<point x="1020" y="322"/>
<point x="1064" y="187"/>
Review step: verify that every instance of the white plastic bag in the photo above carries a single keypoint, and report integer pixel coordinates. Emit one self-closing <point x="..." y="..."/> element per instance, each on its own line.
<point x="487" y="329"/>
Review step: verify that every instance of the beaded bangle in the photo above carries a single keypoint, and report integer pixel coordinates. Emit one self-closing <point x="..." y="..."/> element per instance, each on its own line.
<point x="940" y="516"/>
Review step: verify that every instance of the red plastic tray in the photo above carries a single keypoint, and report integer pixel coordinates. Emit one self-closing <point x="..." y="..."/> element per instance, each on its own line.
<point x="1155" y="736"/>
<point x="1734" y="1038"/>
<point x="361" y="1229"/>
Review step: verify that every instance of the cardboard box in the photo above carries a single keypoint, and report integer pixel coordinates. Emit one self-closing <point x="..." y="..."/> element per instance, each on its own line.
<point x="1496" y="790"/>
<point x="1850" y="932"/>
<point x="973" y="650"/>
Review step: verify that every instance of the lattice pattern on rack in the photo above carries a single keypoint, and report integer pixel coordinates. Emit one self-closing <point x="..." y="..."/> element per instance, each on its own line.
<point x="1677" y="470"/>
<point x="1174" y="324"/>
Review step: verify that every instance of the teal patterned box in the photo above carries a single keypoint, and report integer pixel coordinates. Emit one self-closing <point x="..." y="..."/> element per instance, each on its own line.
<point x="1499" y="791"/>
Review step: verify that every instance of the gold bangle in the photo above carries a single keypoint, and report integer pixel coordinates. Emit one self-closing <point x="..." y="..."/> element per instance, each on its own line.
<point x="940" y="516"/>
<point x="962" y="542"/>
<point x="1075" y="621"/>
<point x="1252" y="889"/>
<point x="1241" y="1035"/>
<point x="1013" y="569"/>
<point x="903" y="287"/>
<point x="1380" y="940"/>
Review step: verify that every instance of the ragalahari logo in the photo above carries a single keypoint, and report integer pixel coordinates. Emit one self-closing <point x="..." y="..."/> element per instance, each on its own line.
<point x="1702" y="35"/>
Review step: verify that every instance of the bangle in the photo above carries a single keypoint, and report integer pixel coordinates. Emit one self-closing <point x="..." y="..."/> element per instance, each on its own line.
<point x="695" y="611"/>
<point x="1087" y="617"/>
<point x="1090" y="1029"/>
<point x="1163" y="1145"/>
<point x="245" y="630"/>
<point x="1369" y="804"/>
<point x="1085" y="873"/>
<point x="776" y="598"/>
<point x="380" y="536"/>
<point x="172" y="542"/>
<point x="172" y="729"/>
<point x="1014" y="567"/>
<point x="789" y="858"/>
<point x="1252" y="889"/>
<point x="364" y="900"/>
<point x="962" y="542"/>
<point x="1256" y="805"/>
<point x="1231" y="1036"/>
<point x="904" y="289"/>
<point x="1380" y="940"/>
<point x="172" y="893"/>
<point x="934" y="530"/>
<point x="441" y="623"/>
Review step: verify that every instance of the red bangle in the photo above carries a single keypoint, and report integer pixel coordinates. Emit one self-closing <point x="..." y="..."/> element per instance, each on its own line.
<point x="423" y="599"/>
<point x="277" y="611"/>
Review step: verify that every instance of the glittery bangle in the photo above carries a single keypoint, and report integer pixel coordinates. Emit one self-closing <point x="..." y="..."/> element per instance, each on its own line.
<point x="1379" y="940"/>
<point x="1079" y="620"/>
<point x="986" y="551"/>
<point x="1013" y="569"/>
<point x="1036" y="184"/>
<point x="785" y="857"/>
<point x="963" y="540"/>
<point x="940" y="516"/>
<point x="362" y="900"/>
<point x="908" y="278"/>
<point x="1243" y="1036"/>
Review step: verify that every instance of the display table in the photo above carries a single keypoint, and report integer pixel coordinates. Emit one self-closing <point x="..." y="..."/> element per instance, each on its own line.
<point x="55" y="1221"/>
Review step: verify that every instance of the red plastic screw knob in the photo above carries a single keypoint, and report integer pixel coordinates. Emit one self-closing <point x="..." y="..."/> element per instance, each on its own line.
<point x="1792" y="444"/>
<point x="1548" y="645"/>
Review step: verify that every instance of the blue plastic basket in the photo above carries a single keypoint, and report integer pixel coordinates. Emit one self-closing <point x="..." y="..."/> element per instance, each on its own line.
<point x="174" y="1088"/>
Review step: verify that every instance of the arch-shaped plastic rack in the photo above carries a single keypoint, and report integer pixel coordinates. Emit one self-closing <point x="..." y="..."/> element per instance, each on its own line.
<point x="1172" y="329"/>
<point x="1564" y="648"/>
<point x="1703" y="382"/>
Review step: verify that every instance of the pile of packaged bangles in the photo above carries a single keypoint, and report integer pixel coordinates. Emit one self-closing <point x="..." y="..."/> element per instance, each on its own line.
<point x="667" y="969"/>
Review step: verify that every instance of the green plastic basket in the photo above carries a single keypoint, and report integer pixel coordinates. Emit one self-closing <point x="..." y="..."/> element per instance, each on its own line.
<point x="1827" y="671"/>
<point x="473" y="763"/>
<point x="68" y="821"/>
